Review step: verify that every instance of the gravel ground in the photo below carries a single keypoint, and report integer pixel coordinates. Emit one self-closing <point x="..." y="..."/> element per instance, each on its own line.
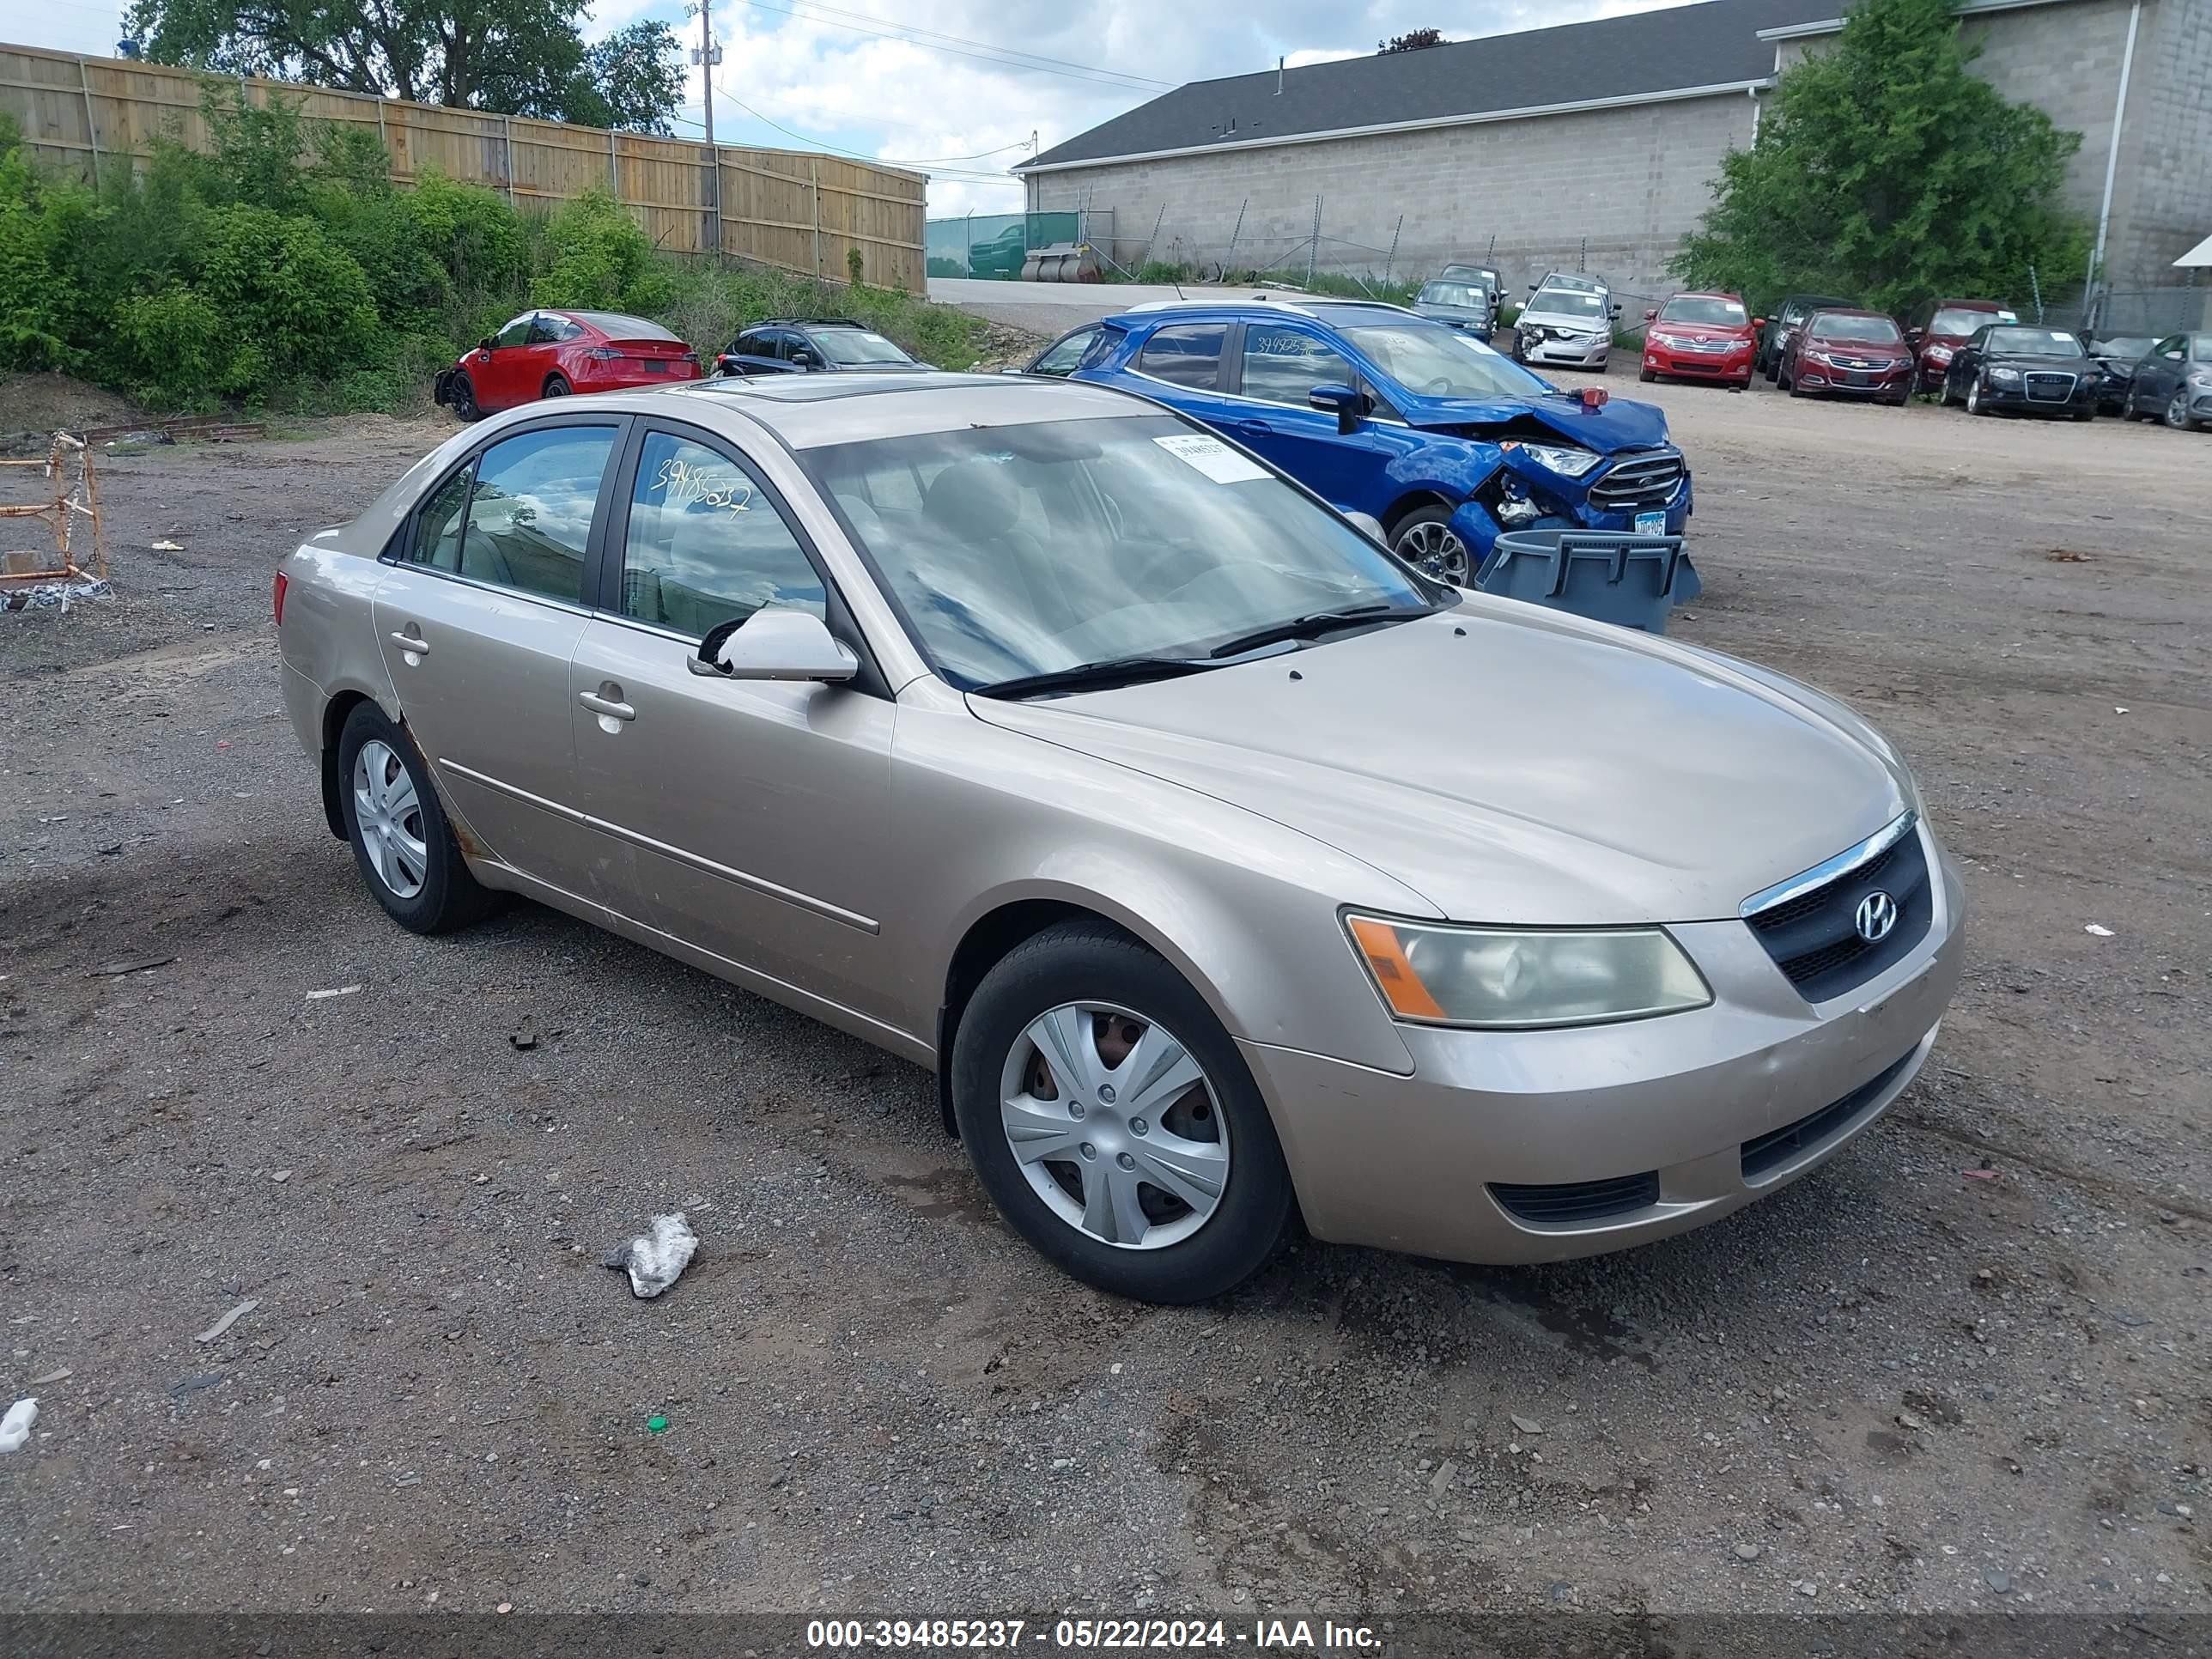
<point x="1962" y="1367"/>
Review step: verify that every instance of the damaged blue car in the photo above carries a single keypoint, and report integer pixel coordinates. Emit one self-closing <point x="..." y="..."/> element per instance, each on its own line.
<point x="1442" y="440"/>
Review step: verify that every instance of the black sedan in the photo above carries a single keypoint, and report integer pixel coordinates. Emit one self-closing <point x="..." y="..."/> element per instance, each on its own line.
<point x="2116" y="362"/>
<point x="2024" y="370"/>
<point x="812" y="345"/>
<point x="2173" y="383"/>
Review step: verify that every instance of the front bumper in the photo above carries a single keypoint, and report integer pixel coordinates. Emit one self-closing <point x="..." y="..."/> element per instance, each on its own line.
<point x="1688" y="1105"/>
<point x="1572" y="509"/>
<point x="1894" y="380"/>
<point x="2081" y="399"/>
<point x="1569" y="352"/>
<point x="1733" y="364"/>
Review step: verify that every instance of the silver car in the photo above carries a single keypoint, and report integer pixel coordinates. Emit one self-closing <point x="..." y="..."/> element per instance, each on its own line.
<point x="1044" y="739"/>
<point x="1568" y="321"/>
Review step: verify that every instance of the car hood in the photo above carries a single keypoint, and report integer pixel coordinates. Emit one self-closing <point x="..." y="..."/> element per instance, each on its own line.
<point x="1701" y="331"/>
<point x="1512" y="765"/>
<point x="1573" y="325"/>
<point x="1616" y="424"/>
<point x="1444" y="313"/>
<point x="1886" y="350"/>
<point x="2036" y="363"/>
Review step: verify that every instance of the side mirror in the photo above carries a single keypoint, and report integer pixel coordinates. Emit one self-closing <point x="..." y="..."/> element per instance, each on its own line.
<point x="1531" y="287"/>
<point x="484" y="344"/>
<point x="776" y="643"/>
<point x="1759" y="322"/>
<point x="805" y="360"/>
<point x="1912" y="336"/>
<point x="1651" y="313"/>
<point x="1341" y="401"/>
<point x="1615" y="311"/>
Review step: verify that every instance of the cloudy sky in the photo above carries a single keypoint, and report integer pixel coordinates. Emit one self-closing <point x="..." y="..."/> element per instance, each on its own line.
<point x="959" y="87"/>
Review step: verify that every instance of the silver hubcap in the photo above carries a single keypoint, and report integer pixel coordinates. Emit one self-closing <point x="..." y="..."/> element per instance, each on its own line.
<point x="1974" y="399"/>
<point x="2176" y="412"/>
<point x="390" y="814"/>
<point x="1433" y="547"/>
<point x="1114" y="1126"/>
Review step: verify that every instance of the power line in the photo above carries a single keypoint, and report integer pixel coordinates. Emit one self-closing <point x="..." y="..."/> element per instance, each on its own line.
<point x="1005" y="57"/>
<point x="862" y="156"/>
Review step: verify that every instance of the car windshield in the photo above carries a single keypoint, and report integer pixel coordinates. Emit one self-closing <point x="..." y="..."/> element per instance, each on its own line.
<point x="1437" y="362"/>
<point x="1721" y="314"/>
<point x="2032" y="343"/>
<point x="2126" y="347"/>
<point x="858" y="345"/>
<point x="1464" y="295"/>
<point x="1951" y="320"/>
<point x="1879" y="330"/>
<point x="1567" y="302"/>
<point x="1023" y="549"/>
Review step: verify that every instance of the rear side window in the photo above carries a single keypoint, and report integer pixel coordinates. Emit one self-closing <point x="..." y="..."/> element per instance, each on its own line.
<point x="1185" y="354"/>
<point x="706" y="544"/>
<point x="528" y="516"/>
<point x="1282" y="365"/>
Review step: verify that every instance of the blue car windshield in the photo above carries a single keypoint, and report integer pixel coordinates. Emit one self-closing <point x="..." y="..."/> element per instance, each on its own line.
<point x="1431" y="361"/>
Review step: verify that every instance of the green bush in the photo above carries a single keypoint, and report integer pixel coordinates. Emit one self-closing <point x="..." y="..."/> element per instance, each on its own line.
<point x="603" y="261"/>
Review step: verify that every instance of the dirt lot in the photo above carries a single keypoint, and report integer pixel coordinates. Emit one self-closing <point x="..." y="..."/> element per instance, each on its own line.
<point x="1964" y="1366"/>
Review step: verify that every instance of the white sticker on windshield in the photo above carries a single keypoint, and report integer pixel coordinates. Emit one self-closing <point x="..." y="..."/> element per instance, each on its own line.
<point x="1213" y="458"/>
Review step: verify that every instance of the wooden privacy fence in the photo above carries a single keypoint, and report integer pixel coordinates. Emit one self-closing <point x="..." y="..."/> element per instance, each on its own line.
<point x="790" y="208"/>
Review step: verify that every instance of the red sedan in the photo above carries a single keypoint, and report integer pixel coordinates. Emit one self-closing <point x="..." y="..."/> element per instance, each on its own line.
<point x="1701" y="336"/>
<point x="551" y="354"/>
<point x="1850" y="354"/>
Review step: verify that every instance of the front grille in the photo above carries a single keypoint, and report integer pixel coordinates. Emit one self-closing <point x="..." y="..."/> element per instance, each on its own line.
<point x="2050" y="388"/>
<point x="1769" y="1151"/>
<point x="1813" y="936"/>
<point x="1579" y="1200"/>
<point x="1638" y="481"/>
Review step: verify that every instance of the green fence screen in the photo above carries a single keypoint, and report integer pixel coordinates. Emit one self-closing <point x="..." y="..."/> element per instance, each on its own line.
<point x="992" y="244"/>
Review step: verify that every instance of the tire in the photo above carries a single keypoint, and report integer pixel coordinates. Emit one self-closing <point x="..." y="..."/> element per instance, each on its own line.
<point x="447" y="895"/>
<point x="1974" y="404"/>
<point x="1425" y="539"/>
<point x="2085" y="414"/>
<point x="466" y="408"/>
<point x="556" y="385"/>
<point x="1898" y="401"/>
<point x="1094" y="983"/>
<point x="1646" y="376"/>
<point x="2176" y="411"/>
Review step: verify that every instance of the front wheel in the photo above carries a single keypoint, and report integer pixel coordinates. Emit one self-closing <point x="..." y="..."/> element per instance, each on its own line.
<point x="2176" y="412"/>
<point x="1974" y="404"/>
<point x="400" y="837"/>
<point x="1425" y="539"/>
<point x="1113" y="1121"/>
<point x="1646" y="375"/>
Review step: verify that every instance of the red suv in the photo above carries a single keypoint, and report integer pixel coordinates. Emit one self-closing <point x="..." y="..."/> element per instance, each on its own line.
<point x="1703" y="337"/>
<point x="551" y="354"/>
<point x="1854" y="354"/>
<point x="1935" y="329"/>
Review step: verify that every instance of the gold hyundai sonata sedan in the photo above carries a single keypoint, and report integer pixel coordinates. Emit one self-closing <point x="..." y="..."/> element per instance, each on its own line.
<point x="1217" y="862"/>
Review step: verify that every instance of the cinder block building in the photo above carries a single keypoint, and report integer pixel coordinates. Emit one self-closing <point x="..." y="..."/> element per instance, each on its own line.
<point x="1596" y="144"/>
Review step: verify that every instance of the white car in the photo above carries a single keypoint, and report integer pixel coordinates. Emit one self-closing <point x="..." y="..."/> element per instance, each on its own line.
<point x="1568" y="321"/>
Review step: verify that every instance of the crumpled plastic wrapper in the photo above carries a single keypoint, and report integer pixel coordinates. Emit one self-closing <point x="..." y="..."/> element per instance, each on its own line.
<point x="656" y="1257"/>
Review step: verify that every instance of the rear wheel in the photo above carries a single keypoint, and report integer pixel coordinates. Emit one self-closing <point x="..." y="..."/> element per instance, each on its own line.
<point x="1114" y="1122"/>
<point x="556" y="385"/>
<point x="401" y="840"/>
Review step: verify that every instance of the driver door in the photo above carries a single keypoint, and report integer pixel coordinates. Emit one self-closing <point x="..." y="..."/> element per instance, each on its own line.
<point x="2160" y="373"/>
<point x="1279" y="365"/>
<point x="744" y="819"/>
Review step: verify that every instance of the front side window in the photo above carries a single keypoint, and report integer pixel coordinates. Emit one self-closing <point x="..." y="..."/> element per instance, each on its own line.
<point x="530" y="505"/>
<point x="1065" y="357"/>
<point x="705" y="543"/>
<point x="516" y="332"/>
<point x="1721" y="314"/>
<point x="1282" y="365"/>
<point x="1436" y="361"/>
<point x="1019" y="551"/>
<point x="1186" y="354"/>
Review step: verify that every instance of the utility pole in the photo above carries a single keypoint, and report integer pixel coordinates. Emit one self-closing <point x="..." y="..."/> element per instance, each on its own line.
<point x="706" y="55"/>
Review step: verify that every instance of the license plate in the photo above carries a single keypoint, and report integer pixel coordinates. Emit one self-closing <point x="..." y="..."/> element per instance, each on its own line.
<point x="656" y="365"/>
<point x="1651" y="524"/>
<point x="1858" y="380"/>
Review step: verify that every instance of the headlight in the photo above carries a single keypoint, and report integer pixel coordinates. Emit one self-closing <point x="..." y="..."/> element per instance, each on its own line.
<point x="1668" y="340"/>
<point x="2201" y="379"/>
<point x="2004" y="376"/>
<point x="1512" y="979"/>
<point x="1939" y="353"/>
<point x="1563" y="459"/>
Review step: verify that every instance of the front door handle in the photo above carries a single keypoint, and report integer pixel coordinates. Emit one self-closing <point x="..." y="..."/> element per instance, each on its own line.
<point x="611" y="707"/>
<point x="1254" y="428"/>
<point x="411" y="641"/>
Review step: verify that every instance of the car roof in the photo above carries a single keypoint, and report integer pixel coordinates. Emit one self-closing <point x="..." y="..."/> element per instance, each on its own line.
<point x="1851" y="311"/>
<point x="810" y="411"/>
<point x="1972" y="305"/>
<point x="1704" y="294"/>
<point x="1338" y="313"/>
<point x="804" y="322"/>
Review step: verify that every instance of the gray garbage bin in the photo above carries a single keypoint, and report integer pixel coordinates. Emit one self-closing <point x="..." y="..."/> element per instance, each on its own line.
<point x="1610" y="576"/>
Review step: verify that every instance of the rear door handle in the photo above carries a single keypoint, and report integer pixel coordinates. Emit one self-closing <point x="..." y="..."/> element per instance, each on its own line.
<point x="413" y="642"/>
<point x="607" y="706"/>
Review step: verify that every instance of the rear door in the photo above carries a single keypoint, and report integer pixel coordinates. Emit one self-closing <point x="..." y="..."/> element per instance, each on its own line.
<point x="751" y="812"/>
<point x="477" y="616"/>
<point x="1183" y="364"/>
<point x="1280" y="364"/>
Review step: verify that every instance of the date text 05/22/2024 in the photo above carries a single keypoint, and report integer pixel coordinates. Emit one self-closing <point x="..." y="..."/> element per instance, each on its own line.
<point x="1093" y="1635"/>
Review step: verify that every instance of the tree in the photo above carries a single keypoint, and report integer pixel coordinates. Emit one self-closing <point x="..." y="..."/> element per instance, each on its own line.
<point x="1884" y="167"/>
<point x="512" y="57"/>
<point x="1413" y="42"/>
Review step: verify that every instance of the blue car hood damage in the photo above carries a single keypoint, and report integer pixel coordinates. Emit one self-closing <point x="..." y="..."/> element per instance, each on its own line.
<point x="1613" y="427"/>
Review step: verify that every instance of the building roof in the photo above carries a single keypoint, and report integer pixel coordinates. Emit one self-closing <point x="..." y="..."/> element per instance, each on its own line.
<point x="2198" y="257"/>
<point x="1680" y="50"/>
